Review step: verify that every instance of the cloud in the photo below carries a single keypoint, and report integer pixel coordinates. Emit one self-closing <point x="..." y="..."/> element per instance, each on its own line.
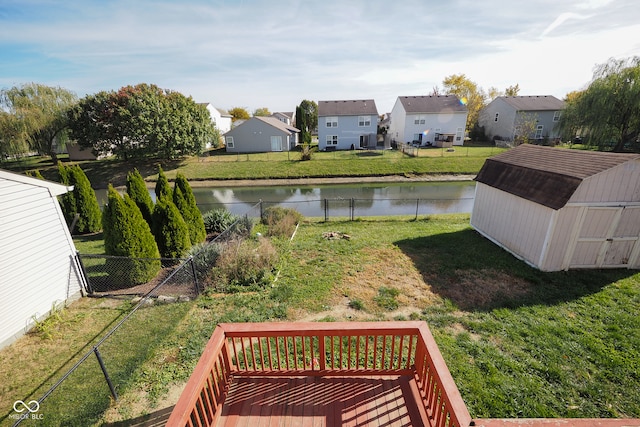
<point x="561" y="20"/>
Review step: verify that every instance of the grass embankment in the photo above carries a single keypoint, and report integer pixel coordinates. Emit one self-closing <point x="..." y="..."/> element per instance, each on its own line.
<point x="519" y="342"/>
<point x="221" y="166"/>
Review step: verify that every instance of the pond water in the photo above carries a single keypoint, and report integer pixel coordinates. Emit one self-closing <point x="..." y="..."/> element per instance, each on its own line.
<point x="356" y="200"/>
<point x="346" y="199"/>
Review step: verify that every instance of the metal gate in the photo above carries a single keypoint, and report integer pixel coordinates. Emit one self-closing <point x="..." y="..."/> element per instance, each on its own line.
<point x="607" y="237"/>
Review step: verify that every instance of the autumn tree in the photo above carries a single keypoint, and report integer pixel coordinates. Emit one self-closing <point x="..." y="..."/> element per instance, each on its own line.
<point x="261" y="112"/>
<point x="608" y="111"/>
<point x="142" y="121"/>
<point x="239" y="113"/>
<point x="469" y="94"/>
<point x="34" y="116"/>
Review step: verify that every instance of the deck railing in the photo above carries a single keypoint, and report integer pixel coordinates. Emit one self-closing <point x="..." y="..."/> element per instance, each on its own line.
<point x="321" y="349"/>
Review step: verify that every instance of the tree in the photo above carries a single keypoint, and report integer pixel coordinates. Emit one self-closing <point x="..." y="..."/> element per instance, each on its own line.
<point x="261" y="112"/>
<point x="239" y="113"/>
<point x="163" y="189"/>
<point x="142" y="121"/>
<point x="81" y="201"/>
<point x="512" y="90"/>
<point x="185" y="201"/>
<point x="469" y="94"/>
<point x="35" y="115"/>
<point x="525" y="126"/>
<point x="127" y="234"/>
<point x="306" y="120"/>
<point x="170" y="230"/>
<point x="608" y="111"/>
<point x="137" y="190"/>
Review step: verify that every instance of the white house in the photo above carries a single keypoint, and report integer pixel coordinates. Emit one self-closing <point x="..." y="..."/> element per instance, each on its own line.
<point x="507" y="117"/>
<point x="437" y="120"/>
<point x="286" y="117"/>
<point x="219" y="117"/>
<point x="346" y="125"/>
<point x="38" y="268"/>
<point x="261" y="135"/>
<point x="560" y="209"/>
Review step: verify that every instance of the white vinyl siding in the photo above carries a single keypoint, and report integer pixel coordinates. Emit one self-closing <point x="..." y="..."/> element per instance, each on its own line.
<point x="37" y="269"/>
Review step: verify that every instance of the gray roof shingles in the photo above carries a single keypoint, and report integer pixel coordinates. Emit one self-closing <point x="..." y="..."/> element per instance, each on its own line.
<point x="534" y="103"/>
<point x="545" y="175"/>
<point x="354" y="107"/>
<point x="431" y="104"/>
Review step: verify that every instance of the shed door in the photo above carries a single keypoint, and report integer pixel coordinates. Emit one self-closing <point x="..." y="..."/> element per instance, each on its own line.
<point x="607" y="237"/>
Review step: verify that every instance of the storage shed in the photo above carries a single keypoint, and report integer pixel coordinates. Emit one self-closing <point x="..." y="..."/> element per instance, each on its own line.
<point x="560" y="209"/>
<point x="38" y="268"/>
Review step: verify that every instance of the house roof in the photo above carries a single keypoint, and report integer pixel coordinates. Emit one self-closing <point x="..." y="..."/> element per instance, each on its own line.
<point x="271" y="121"/>
<point x="546" y="175"/>
<point x="534" y="103"/>
<point x="431" y="104"/>
<point x="354" y="107"/>
<point x="55" y="188"/>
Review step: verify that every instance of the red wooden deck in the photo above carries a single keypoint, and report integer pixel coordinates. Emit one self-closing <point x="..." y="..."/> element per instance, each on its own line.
<point x="321" y="401"/>
<point x="331" y="374"/>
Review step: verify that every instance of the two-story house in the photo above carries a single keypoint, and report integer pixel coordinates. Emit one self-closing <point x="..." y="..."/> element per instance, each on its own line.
<point x="437" y="120"/>
<point x="510" y="117"/>
<point x="219" y="117"/>
<point x="347" y="125"/>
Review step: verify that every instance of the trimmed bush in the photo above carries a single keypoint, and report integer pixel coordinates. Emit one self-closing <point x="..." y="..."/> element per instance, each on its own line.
<point x="163" y="189"/>
<point x="170" y="230"/>
<point x="218" y="220"/>
<point x="185" y="201"/>
<point x="127" y="234"/>
<point x="281" y="222"/>
<point x="137" y="190"/>
<point x="82" y="200"/>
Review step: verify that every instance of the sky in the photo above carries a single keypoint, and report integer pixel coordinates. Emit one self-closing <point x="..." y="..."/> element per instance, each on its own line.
<point x="276" y="53"/>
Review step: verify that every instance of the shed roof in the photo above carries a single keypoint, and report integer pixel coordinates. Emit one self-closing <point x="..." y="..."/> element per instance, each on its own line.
<point x="347" y="108"/>
<point x="431" y="104"/>
<point x="545" y="175"/>
<point x="534" y="103"/>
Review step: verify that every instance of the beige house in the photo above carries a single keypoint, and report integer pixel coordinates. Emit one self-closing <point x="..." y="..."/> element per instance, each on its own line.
<point x="560" y="209"/>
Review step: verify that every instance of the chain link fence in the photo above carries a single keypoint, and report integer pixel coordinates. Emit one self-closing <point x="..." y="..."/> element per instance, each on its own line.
<point x="109" y="363"/>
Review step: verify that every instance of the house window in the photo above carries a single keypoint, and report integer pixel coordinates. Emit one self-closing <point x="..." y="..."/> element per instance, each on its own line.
<point x="364" y="121"/>
<point x="539" y="131"/>
<point x="332" y="122"/>
<point x="332" y="139"/>
<point x="276" y="143"/>
<point x="419" y="120"/>
<point x="459" y="134"/>
<point x="496" y="117"/>
<point x="229" y="141"/>
<point x="556" y="116"/>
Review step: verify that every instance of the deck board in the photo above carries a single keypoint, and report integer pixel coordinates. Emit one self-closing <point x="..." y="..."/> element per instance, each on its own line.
<point x="320" y="401"/>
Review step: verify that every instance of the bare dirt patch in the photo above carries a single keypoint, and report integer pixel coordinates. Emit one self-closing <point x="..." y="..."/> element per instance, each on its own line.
<point x="383" y="267"/>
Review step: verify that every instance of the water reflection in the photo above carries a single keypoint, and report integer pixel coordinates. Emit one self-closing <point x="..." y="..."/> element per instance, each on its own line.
<point x="341" y="200"/>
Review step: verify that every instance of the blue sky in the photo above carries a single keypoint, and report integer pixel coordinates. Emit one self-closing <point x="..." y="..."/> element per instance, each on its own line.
<point x="275" y="53"/>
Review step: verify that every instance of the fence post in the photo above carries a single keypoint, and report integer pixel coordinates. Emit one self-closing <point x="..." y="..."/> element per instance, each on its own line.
<point x="106" y="375"/>
<point x="325" y="210"/>
<point x="417" y="205"/>
<point x="353" y="207"/>
<point x="195" y="275"/>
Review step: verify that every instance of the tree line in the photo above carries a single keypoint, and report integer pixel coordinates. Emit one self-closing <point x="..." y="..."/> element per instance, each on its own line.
<point x="147" y="121"/>
<point x="133" y="226"/>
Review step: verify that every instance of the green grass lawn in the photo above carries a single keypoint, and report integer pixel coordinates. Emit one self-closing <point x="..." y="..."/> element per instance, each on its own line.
<point x="222" y="166"/>
<point x="519" y="342"/>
